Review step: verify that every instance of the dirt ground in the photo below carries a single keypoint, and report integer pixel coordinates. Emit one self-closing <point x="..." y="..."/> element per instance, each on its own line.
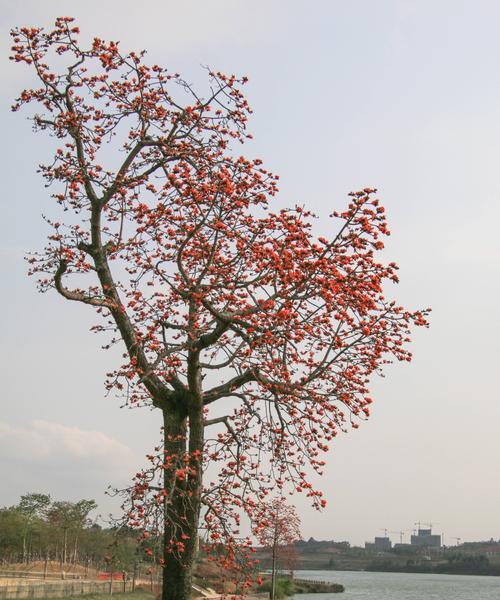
<point x="53" y="566"/>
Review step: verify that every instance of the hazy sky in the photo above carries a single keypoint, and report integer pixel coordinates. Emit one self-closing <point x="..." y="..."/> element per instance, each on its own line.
<point x="401" y="95"/>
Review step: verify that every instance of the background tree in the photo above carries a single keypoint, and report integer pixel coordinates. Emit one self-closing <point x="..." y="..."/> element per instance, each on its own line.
<point x="12" y="528"/>
<point x="277" y="527"/>
<point x="33" y="531"/>
<point x="81" y="511"/>
<point x="70" y="518"/>
<point x="33" y="507"/>
<point x="232" y="316"/>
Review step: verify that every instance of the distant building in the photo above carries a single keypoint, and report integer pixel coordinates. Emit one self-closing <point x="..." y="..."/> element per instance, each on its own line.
<point x="425" y="538"/>
<point x="380" y="543"/>
<point x="402" y="546"/>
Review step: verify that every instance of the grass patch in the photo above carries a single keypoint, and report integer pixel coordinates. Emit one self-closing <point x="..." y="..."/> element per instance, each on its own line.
<point x="284" y="588"/>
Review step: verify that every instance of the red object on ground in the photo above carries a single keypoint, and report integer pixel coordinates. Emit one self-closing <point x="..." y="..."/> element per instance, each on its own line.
<point x="107" y="576"/>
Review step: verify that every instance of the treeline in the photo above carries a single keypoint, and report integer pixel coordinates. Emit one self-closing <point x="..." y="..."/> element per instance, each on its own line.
<point x="459" y="564"/>
<point x="39" y="528"/>
<point x="312" y="545"/>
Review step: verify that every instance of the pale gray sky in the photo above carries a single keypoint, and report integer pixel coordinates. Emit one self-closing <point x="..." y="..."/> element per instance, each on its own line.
<point x="400" y="95"/>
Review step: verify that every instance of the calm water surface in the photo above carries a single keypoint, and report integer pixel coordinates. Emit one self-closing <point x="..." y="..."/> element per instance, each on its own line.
<point x="403" y="586"/>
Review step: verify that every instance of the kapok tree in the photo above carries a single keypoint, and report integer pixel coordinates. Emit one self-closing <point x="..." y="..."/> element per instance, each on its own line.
<point x="230" y="315"/>
<point x="277" y="527"/>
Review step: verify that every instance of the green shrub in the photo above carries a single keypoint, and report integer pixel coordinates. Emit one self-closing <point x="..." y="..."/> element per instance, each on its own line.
<point x="284" y="587"/>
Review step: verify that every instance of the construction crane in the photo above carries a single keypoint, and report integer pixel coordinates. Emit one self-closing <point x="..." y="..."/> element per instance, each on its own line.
<point x="400" y="533"/>
<point x="385" y="532"/>
<point x="429" y="525"/>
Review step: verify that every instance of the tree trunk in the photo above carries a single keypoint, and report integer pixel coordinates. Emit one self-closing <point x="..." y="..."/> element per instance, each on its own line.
<point x="65" y="546"/>
<point x="182" y="506"/>
<point x="75" y="549"/>
<point x="25" y="552"/>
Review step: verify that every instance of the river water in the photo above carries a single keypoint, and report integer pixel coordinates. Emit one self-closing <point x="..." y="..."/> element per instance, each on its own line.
<point x="361" y="585"/>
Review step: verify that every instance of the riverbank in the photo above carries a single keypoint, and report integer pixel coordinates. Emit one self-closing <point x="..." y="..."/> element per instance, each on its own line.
<point x="362" y="585"/>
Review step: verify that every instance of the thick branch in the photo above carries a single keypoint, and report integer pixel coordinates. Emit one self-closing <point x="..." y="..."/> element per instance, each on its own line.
<point x="77" y="296"/>
<point x="230" y="386"/>
<point x="208" y="339"/>
<point x="160" y="393"/>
